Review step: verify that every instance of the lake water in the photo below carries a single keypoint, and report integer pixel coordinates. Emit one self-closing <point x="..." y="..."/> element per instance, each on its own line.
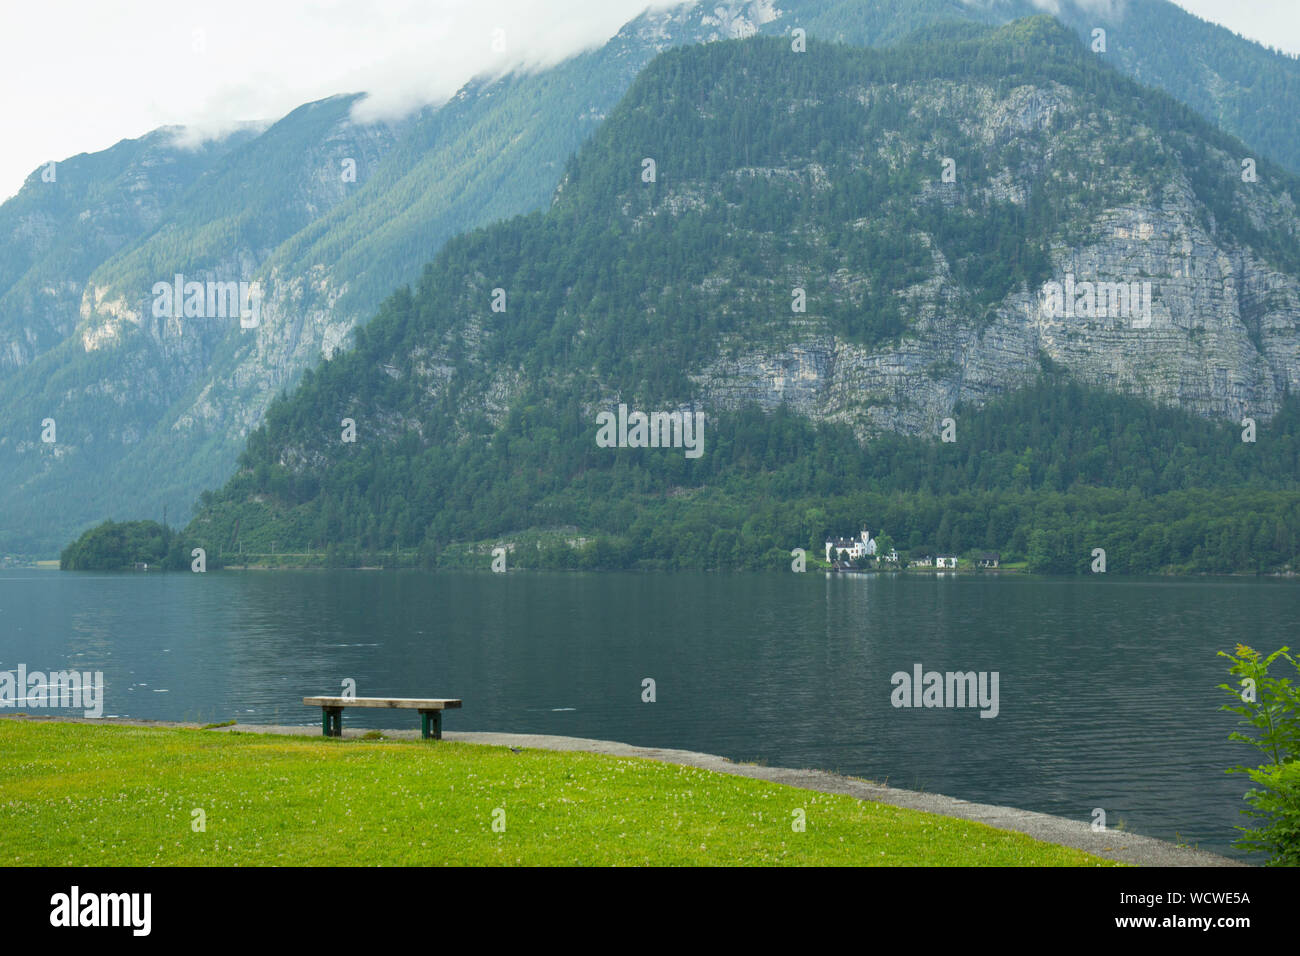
<point x="1107" y="687"/>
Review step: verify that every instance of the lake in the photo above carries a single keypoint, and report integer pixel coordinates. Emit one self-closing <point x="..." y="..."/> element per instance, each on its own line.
<point x="1106" y="698"/>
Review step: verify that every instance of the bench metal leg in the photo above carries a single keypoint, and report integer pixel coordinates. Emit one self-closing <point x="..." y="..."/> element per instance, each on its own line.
<point x="331" y="721"/>
<point x="431" y="720"/>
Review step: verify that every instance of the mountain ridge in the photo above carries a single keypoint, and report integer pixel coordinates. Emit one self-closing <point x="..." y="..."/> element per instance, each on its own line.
<point x="626" y="289"/>
<point x="207" y="387"/>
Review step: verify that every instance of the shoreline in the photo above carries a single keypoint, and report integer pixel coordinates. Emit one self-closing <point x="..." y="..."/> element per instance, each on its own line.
<point x="1117" y="845"/>
<point x="927" y="572"/>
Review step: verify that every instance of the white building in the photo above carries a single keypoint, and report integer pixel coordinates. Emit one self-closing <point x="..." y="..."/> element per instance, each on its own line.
<point x="946" y="561"/>
<point x="850" y="549"/>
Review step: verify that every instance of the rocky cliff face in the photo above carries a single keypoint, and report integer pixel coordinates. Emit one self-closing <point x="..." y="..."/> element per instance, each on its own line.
<point x="1221" y="335"/>
<point x="1223" y="339"/>
<point x="73" y="215"/>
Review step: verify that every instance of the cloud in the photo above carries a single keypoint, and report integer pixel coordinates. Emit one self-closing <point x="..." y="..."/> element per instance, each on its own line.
<point x="482" y="39"/>
<point x="1111" y="9"/>
<point x="208" y="65"/>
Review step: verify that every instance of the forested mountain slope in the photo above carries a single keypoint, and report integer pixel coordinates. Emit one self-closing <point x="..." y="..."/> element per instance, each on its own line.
<point x="799" y="269"/>
<point x="151" y="412"/>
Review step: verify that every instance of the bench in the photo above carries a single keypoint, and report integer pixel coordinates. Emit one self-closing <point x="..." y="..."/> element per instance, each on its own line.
<point x="430" y="711"/>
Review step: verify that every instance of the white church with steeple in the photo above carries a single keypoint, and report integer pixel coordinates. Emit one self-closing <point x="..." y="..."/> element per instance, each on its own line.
<point x="850" y="549"/>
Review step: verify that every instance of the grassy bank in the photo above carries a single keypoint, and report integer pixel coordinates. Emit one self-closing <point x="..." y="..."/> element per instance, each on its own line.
<point x="76" y="794"/>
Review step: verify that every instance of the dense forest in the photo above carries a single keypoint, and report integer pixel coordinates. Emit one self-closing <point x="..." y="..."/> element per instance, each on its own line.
<point x="125" y="545"/>
<point x="1044" y="476"/>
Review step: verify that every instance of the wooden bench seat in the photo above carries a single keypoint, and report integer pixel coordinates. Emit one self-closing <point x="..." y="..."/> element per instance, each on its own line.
<point x="430" y="709"/>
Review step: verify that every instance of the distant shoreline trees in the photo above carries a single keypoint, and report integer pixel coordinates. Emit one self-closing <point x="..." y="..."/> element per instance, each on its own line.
<point x="125" y="545"/>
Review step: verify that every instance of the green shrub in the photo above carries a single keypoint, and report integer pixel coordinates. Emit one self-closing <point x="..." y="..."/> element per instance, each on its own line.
<point x="1277" y="806"/>
<point x="1271" y="705"/>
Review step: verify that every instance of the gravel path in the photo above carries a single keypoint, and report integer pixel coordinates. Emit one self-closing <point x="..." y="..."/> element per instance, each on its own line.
<point x="1111" y="844"/>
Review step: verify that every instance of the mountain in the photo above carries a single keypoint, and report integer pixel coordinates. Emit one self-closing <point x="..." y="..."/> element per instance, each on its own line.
<point x="150" y="412"/>
<point x="183" y="395"/>
<point x="1240" y="86"/>
<point x="107" y="384"/>
<point x="73" y="215"/>
<point x="772" y="239"/>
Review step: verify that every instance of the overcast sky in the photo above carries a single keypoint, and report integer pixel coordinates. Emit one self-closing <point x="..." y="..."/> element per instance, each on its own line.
<point x="79" y="75"/>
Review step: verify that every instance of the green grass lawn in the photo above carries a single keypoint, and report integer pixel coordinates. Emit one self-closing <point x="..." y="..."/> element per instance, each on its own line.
<point x="104" y="795"/>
